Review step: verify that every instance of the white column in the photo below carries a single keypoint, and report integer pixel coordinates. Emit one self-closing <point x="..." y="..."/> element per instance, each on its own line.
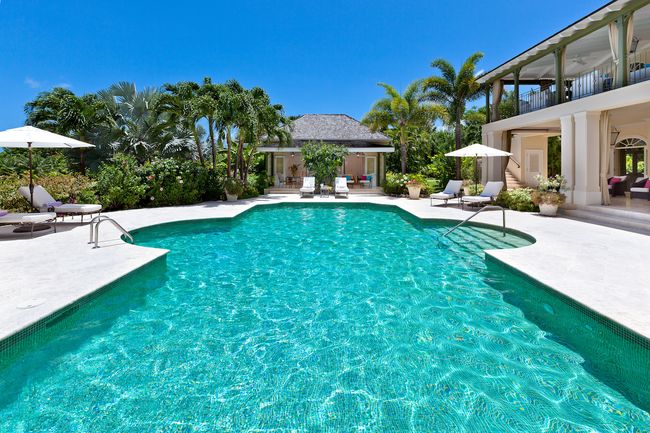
<point x="587" y="158"/>
<point x="568" y="154"/>
<point x="493" y="167"/>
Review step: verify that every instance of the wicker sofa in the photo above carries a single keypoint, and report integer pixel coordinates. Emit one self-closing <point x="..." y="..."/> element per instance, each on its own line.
<point x="638" y="188"/>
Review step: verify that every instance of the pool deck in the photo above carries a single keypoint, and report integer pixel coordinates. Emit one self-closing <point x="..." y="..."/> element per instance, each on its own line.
<point x="602" y="268"/>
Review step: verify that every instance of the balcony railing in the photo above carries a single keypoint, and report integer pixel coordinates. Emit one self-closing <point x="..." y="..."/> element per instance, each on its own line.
<point x="590" y="82"/>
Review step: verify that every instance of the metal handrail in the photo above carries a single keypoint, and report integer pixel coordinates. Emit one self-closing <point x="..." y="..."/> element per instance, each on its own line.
<point x="95" y="222"/>
<point x="515" y="161"/>
<point x="489" y="207"/>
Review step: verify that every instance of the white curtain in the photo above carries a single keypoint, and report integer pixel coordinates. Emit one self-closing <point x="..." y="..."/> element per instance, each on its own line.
<point x="614" y="37"/>
<point x="497" y="90"/>
<point x="605" y="135"/>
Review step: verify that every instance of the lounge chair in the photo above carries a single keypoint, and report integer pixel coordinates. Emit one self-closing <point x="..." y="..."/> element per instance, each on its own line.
<point x="617" y="185"/>
<point x="28" y="219"/>
<point x="341" y="186"/>
<point x="44" y="202"/>
<point x="308" y="186"/>
<point x="491" y="190"/>
<point x="452" y="190"/>
<point x="640" y="188"/>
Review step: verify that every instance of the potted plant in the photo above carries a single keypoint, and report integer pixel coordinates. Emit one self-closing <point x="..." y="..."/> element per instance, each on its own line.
<point x="414" y="186"/>
<point x="472" y="188"/>
<point x="233" y="188"/>
<point x="548" y="195"/>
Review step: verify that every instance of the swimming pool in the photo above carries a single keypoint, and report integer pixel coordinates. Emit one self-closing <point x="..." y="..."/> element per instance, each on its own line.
<point x="325" y="318"/>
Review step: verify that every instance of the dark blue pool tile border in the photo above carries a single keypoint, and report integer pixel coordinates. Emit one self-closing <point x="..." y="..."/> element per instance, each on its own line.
<point x="14" y="340"/>
<point x="615" y="327"/>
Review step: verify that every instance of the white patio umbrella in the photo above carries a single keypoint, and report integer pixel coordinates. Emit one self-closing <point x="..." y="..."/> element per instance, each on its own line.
<point x="476" y="151"/>
<point x="28" y="137"/>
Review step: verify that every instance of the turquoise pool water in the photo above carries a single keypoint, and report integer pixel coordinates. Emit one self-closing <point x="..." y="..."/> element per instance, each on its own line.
<point x="324" y="319"/>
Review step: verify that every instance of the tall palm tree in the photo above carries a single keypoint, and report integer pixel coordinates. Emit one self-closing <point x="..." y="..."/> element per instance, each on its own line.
<point x="207" y="103"/>
<point x="453" y="90"/>
<point x="181" y="108"/>
<point x="401" y="113"/>
<point x="63" y="112"/>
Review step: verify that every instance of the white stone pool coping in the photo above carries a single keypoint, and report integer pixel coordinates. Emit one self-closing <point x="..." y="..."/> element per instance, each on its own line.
<point x="602" y="268"/>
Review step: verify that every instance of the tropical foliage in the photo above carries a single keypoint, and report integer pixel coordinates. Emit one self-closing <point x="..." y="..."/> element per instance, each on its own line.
<point x="453" y="90"/>
<point x="402" y="116"/>
<point x="323" y="160"/>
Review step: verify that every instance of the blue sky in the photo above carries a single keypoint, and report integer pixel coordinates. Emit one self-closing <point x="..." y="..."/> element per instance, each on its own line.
<point x="311" y="56"/>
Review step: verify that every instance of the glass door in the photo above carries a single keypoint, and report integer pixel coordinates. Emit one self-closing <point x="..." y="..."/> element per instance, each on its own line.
<point x="371" y="170"/>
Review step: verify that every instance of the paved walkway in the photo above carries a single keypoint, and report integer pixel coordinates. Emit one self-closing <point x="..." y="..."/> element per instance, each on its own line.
<point x="602" y="268"/>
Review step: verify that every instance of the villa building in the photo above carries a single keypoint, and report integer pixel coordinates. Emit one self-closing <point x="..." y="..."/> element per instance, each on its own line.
<point x="364" y="166"/>
<point x="589" y="85"/>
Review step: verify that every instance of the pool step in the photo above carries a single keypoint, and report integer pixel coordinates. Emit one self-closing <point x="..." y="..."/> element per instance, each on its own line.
<point x="636" y="222"/>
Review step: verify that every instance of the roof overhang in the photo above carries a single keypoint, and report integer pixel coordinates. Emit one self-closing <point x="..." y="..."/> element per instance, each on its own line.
<point x="584" y="26"/>
<point x="350" y="149"/>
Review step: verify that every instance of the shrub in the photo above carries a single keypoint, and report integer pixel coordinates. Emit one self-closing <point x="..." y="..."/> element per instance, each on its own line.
<point x="324" y="160"/>
<point x="395" y="183"/>
<point x="213" y="188"/>
<point x="66" y="188"/>
<point x="260" y="182"/>
<point x="119" y="183"/>
<point x="174" y="182"/>
<point x="441" y="167"/>
<point x="520" y="199"/>
<point x="234" y="186"/>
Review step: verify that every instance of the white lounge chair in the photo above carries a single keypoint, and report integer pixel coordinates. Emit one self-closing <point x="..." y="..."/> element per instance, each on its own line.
<point x="308" y="186"/>
<point x="28" y="219"/>
<point x="452" y="190"/>
<point x="44" y="202"/>
<point x="341" y="186"/>
<point x="491" y="190"/>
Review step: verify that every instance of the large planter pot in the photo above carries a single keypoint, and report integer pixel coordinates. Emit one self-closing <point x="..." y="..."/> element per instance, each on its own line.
<point x="414" y="192"/>
<point x="231" y="197"/>
<point x="548" y="209"/>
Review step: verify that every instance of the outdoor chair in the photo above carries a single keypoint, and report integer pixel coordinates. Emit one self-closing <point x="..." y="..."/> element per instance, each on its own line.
<point x="308" y="186"/>
<point x="641" y="188"/>
<point x="44" y="202"/>
<point x="617" y="185"/>
<point x="452" y="190"/>
<point x="341" y="186"/>
<point x="27" y="219"/>
<point x="490" y="192"/>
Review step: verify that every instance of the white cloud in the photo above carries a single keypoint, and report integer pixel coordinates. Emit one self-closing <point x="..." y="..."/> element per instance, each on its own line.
<point x="32" y="83"/>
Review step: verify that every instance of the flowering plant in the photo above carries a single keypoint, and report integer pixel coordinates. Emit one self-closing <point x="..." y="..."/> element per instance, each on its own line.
<point x="548" y="190"/>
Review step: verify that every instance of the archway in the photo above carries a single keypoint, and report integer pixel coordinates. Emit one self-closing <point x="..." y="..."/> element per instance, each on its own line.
<point x="631" y="155"/>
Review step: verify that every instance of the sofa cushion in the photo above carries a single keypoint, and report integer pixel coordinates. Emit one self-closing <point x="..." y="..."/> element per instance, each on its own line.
<point x="638" y="189"/>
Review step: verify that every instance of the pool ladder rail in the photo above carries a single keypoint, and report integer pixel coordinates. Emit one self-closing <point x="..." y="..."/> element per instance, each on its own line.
<point x="94" y="229"/>
<point x="484" y="208"/>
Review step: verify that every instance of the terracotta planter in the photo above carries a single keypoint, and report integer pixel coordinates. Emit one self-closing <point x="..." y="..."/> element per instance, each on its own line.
<point x="231" y="197"/>
<point x="548" y="209"/>
<point x="414" y="192"/>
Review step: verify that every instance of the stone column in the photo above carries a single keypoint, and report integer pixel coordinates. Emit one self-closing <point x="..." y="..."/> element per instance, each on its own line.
<point x="568" y="154"/>
<point x="587" y="158"/>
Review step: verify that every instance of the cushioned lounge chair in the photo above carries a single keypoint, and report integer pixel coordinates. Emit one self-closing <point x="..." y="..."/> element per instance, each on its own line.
<point x="28" y="219"/>
<point x="44" y="202"/>
<point x="452" y="190"/>
<point x="617" y="185"/>
<point x="490" y="192"/>
<point x="308" y="186"/>
<point x="640" y="189"/>
<point x="341" y="186"/>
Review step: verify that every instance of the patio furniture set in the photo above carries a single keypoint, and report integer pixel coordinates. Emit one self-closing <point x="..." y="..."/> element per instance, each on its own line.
<point x="454" y="188"/>
<point x="637" y="186"/>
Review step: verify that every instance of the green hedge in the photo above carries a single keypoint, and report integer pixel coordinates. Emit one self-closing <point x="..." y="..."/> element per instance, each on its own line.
<point x="519" y="199"/>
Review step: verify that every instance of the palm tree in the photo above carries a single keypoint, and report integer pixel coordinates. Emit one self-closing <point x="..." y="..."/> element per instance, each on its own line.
<point x="63" y="112"/>
<point x="207" y="104"/>
<point x="452" y="91"/>
<point x="401" y="113"/>
<point x="140" y="128"/>
<point x="181" y="108"/>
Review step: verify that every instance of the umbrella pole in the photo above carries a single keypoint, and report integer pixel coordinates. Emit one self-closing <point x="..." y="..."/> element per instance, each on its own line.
<point x="476" y="175"/>
<point x="31" y="178"/>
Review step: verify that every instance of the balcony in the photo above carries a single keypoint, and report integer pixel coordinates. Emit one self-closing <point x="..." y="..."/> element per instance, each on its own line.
<point x="587" y="83"/>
